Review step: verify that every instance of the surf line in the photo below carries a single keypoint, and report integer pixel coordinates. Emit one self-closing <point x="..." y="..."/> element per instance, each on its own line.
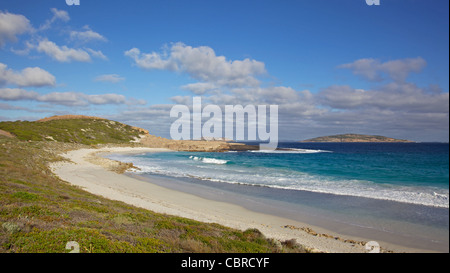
<point x="233" y="118"/>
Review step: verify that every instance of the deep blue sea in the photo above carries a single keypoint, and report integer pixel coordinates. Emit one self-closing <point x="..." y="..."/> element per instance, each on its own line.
<point x="415" y="173"/>
<point x="391" y="192"/>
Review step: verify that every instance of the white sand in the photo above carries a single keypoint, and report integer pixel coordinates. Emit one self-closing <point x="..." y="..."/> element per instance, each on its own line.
<point x="96" y="179"/>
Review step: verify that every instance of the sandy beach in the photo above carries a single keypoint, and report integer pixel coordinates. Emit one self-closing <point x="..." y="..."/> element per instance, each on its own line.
<point x="93" y="173"/>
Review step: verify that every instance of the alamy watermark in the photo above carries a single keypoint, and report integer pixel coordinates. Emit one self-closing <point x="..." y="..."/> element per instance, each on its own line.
<point x="229" y="125"/>
<point x="373" y="2"/>
<point x="73" y="246"/>
<point x="372" y="247"/>
<point x="73" y="2"/>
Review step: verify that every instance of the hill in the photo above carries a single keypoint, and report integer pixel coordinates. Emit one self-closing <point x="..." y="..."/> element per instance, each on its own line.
<point x="73" y="129"/>
<point x="354" y="138"/>
<point x="90" y="130"/>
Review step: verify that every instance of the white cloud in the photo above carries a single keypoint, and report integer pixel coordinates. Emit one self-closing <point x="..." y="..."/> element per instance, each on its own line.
<point x="112" y="78"/>
<point x="105" y="99"/>
<point x="201" y="63"/>
<point x="66" y="54"/>
<point x="343" y="97"/>
<point x="97" y="54"/>
<point x="397" y="70"/>
<point x="397" y="97"/>
<point x="66" y="98"/>
<point x="81" y="99"/>
<point x="25" y="51"/>
<point x="60" y="15"/>
<point x="57" y="15"/>
<point x="155" y="118"/>
<point x="63" y="98"/>
<point x="291" y="102"/>
<point x="150" y="60"/>
<point x="268" y="95"/>
<point x="63" y="53"/>
<point x="184" y="100"/>
<point x="30" y="76"/>
<point x="200" y="88"/>
<point x="13" y="94"/>
<point x="133" y="101"/>
<point x="87" y="36"/>
<point x="12" y="25"/>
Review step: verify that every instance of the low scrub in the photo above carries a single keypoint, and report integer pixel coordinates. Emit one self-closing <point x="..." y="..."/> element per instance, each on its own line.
<point x="82" y="131"/>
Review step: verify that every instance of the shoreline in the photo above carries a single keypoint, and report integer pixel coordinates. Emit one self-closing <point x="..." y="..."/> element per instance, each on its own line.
<point x="91" y="172"/>
<point x="337" y="213"/>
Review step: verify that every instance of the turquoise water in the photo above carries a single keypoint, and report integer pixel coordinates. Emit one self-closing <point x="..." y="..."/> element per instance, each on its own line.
<point x="416" y="173"/>
<point x="388" y="192"/>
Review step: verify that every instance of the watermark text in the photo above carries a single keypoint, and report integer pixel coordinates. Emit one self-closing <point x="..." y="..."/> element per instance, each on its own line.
<point x="226" y="126"/>
<point x="73" y="2"/>
<point x="373" y="2"/>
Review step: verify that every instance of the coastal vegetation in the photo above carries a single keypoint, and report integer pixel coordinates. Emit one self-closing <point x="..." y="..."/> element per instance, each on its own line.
<point x="79" y="130"/>
<point x="94" y="131"/>
<point x="41" y="213"/>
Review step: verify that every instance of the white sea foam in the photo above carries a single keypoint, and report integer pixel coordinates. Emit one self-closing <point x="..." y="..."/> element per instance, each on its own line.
<point x="209" y="160"/>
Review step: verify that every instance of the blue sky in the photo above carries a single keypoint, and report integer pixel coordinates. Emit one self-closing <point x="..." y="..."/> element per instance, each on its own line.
<point x="331" y="66"/>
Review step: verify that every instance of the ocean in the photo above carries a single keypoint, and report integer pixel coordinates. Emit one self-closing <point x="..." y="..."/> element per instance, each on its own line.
<point x="397" y="192"/>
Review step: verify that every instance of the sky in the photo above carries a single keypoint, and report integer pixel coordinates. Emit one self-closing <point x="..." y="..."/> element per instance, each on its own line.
<point x="332" y="67"/>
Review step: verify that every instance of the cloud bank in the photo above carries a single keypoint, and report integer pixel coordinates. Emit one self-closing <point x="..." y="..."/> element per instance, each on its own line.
<point x="65" y="98"/>
<point x="397" y="108"/>
<point x="397" y="70"/>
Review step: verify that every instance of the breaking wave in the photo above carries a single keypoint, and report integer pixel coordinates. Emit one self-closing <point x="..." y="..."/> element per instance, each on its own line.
<point x="209" y="160"/>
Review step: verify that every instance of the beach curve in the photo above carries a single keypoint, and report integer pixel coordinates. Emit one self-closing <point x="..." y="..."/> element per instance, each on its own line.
<point x="88" y="170"/>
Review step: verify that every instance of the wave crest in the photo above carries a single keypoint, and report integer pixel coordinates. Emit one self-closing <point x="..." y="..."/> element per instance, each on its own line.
<point x="209" y="160"/>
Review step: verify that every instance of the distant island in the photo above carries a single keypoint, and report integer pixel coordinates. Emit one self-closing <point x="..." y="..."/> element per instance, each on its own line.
<point x="354" y="138"/>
